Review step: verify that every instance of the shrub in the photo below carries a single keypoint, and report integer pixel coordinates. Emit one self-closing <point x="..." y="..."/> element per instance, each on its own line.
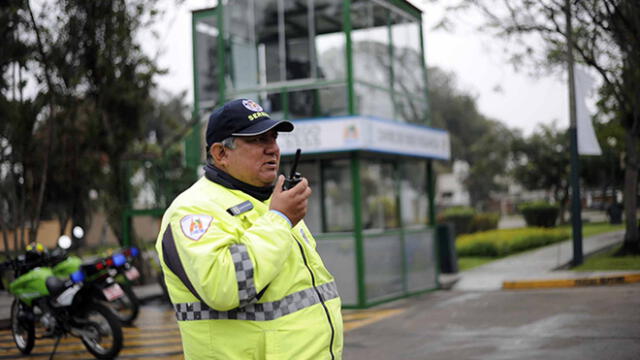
<point x="540" y="213"/>
<point x="485" y="222"/>
<point x="460" y="216"/>
<point x="496" y="243"/>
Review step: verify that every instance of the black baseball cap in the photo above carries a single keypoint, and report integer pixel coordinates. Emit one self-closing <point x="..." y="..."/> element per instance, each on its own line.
<point x="241" y="117"/>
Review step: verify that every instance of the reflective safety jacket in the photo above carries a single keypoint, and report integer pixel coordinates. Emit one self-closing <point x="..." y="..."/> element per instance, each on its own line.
<point x="243" y="283"/>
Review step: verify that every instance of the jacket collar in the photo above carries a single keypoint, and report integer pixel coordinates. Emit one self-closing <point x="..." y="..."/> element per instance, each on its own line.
<point x="218" y="176"/>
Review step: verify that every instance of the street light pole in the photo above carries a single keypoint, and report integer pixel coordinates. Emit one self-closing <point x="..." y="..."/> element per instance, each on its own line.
<point x="576" y="208"/>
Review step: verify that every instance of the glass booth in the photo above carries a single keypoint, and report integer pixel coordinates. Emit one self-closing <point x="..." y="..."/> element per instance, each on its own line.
<point x="351" y="76"/>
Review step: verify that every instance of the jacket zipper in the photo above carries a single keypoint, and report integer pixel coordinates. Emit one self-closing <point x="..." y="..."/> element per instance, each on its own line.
<point x="313" y="282"/>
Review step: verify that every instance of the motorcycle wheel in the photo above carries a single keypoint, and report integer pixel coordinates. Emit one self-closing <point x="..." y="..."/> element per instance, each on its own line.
<point x="102" y="332"/>
<point x="126" y="307"/>
<point x="22" y="329"/>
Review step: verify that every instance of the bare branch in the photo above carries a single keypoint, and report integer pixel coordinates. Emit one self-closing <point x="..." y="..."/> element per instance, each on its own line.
<point x="45" y="166"/>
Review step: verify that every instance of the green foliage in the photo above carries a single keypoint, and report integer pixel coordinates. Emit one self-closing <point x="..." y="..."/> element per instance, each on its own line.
<point x="94" y="89"/>
<point x="461" y="217"/>
<point x="485" y="222"/>
<point x="466" y="263"/>
<point x="605" y="172"/>
<point x="458" y="211"/>
<point x="539" y="213"/>
<point x="498" y="243"/>
<point x="542" y="163"/>
<point x="606" y="38"/>
<point x="465" y="219"/>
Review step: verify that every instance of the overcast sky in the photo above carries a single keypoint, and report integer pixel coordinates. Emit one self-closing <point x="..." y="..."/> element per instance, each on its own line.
<point x="477" y="61"/>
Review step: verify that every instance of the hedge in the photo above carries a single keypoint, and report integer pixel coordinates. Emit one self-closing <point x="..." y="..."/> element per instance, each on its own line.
<point x="465" y="220"/>
<point x="485" y="222"/>
<point x="497" y="243"/>
<point x="540" y="213"/>
<point x="460" y="216"/>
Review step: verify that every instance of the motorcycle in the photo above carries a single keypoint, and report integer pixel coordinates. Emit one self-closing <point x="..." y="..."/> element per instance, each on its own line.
<point x="101" y="274"/>
<point x="119" y="267"/>
<point x="61" y="306"/>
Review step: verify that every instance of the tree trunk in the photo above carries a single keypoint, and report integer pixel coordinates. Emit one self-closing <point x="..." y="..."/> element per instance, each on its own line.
<point x="37" y="212"/>
<point x="630" y="245"/>
<point x="562" y="197"/>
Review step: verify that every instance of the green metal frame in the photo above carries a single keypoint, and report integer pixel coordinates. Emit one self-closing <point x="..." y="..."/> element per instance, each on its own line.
<point x="402" y="232"/>
<point x="346" y="23"/>
<point x="397" y="172"/>
<point x="357" y="227"/>
<point x="128" y="214"/>
<point x="193" y="146"/>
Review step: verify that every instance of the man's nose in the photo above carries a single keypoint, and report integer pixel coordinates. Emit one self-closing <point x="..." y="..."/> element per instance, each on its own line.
<point x="271" y="146"/>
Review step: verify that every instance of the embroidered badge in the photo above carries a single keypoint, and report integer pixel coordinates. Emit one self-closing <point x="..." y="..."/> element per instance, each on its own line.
<point x="251" y="105"/>
<point x="194" y="226"/>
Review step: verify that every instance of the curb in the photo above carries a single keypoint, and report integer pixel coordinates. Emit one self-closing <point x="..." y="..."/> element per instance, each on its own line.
<point x="577" y="282"/>
<point x="446" y="281"/>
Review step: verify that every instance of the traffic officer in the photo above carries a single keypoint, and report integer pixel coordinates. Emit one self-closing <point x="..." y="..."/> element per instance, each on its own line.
<point x="240" y="265"/>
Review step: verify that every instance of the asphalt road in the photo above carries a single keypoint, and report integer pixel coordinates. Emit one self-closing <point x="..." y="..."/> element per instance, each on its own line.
<point x="585" y="323"/>
<point x="600" y="322"/>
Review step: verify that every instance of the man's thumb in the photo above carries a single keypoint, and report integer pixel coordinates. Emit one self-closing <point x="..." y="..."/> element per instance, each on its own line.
<point x="279" y="184"/>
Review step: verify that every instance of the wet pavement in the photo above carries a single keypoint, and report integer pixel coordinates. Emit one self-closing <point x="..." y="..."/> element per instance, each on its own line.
<point x="154" y="335"/>
<point x="578" y="323"/>
<point x="600" y="322"/>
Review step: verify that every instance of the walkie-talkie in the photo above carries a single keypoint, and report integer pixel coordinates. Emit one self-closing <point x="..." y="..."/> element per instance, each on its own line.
<point x="294" y="177"/>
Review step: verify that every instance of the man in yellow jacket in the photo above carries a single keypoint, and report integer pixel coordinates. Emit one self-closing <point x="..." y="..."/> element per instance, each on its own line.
<point x="240" y="265"/>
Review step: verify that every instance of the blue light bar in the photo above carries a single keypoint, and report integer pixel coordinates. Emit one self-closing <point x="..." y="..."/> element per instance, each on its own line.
<point x="77" y="276"/>
<point x="119" y="259"/>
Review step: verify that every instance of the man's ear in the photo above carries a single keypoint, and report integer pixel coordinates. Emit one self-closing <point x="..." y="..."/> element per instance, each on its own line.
<point x="218" y="153"/>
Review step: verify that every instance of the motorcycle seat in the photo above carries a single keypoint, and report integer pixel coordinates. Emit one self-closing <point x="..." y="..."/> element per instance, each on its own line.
<point x="55" y="285"/>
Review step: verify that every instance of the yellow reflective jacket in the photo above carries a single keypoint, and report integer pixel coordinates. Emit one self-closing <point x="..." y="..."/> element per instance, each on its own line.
<point x="243" y="283"/>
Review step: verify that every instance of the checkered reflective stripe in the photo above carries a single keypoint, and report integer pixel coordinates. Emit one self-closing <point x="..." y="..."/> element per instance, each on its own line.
<point x="244" y="274"/>
<point x="259" y="312"/>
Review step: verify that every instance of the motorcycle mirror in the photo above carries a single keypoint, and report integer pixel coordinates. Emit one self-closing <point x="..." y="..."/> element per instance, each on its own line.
<point x="78" y="232"/>
<point x="64" y="242"/>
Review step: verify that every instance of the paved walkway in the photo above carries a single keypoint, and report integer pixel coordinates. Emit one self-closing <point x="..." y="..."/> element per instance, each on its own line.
<point x="535" y="264"/>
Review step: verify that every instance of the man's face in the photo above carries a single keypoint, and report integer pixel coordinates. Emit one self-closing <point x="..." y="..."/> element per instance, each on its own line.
<point x="255" y="159"/>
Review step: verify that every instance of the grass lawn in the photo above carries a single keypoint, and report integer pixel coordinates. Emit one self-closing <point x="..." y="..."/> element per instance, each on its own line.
<point x="468" y="262"/>
<point x="606" y="261"/>
<point x="588" y="229"/>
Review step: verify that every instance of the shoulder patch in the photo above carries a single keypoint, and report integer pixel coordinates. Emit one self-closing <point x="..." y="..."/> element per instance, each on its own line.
<point x="194" y="226"/>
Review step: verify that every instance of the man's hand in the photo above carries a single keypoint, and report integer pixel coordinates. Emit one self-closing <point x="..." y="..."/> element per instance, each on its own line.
<point x="293" y="202"/>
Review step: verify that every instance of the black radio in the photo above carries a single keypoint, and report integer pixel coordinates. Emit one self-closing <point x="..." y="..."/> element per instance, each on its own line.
<point x="294" y="177"/>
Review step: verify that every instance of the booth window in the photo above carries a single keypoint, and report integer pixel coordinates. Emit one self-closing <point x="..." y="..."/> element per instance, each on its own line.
<point x="206" y="55"/>
<point x="414" y="197"/>
<point x="337" y="189"/>
<point x="379" y="195"/>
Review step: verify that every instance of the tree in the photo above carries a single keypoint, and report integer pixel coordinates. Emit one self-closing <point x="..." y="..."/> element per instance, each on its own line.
<point x="82" y="118"/>
<point x="605" y="172"/>
<point x="483" y="143"/>
<point x="488" y="157"/>
<point x="606" y="37"/>
<point x="157" y="160"/>
<point x="22" y="115"/>
<point x="541" y="161"/>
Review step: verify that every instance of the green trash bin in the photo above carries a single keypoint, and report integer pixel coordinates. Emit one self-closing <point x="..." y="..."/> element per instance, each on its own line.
<point x="445" y="235"/>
